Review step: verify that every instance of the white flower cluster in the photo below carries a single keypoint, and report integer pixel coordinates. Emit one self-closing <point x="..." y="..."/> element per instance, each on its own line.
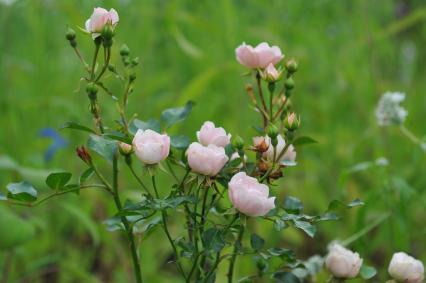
<point x="389" y="111"/>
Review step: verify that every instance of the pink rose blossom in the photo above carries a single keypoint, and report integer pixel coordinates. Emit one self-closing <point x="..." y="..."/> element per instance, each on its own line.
<point x="259" y="57"/>
<point x="249" y="196"/>
<point x="271" y="74"/>
<point x="151" y="147"/>
<point x="288" y="159"/>
<point x="209" y="134"/>
<point x="343" y="263"/>
<point x="99" y="19"/>
<point x="206" y="160"/>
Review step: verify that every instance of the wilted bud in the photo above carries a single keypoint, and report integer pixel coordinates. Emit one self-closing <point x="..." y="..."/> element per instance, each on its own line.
<point x="91" y="90"/>
<point x="289" y="83"/>
<point x="238" y="143"/>
<point x="291" y="66"/>
<point x="292" y="122"/>
<point x="124" y="148"/>
<point x="271" y="74"/>
<point x="84" y="155"/>
<point x="124" y="50"/>
<point x="263" y="166"/>
<point x="70" y="35"/>
<point x="261" y="144"/>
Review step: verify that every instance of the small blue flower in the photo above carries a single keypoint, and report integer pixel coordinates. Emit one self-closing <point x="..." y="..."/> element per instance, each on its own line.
<point x="58" y="142"/>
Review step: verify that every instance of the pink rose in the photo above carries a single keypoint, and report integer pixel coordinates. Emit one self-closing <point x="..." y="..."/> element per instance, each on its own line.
<point x="343" y="263"/>
<point x="271" y="74"/>
<point x="99" y="19"/>
<point x="206" y="160"/>
<point x="288" y="159"/>
<point x="259" y="57"/>
<point x="209" y="134"/>
<point x="151" y="147"/>
<point x="249" y="196"/>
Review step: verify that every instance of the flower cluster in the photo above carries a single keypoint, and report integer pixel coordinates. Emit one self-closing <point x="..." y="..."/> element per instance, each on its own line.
<point x="389" y="111"/>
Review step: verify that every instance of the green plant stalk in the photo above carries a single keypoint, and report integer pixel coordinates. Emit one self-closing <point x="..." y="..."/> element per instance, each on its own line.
<point x="127" y="226"/>
<point x="202" y="223"/>
<point x="138" y="179"/>
<point x="262" y="99"/>
<point x="166" y="230"/>
<point x="234" y="253"/>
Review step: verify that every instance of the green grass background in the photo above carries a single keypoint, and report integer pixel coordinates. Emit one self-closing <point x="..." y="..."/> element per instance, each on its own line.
<point x="349" y="53"/>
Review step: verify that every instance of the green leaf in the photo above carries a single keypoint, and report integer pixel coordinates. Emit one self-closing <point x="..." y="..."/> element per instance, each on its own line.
<point x="86" y="175"/>
<point x="57" y="181"/>
<point x="113" y="224"/>
<point x="282" y="253"/>
<point x="152" y="124"/>
<point x="337" y="204"/>
<point x="213" y="239"/>
<point x="256" y="242"/>
<point x="104" y="147"/>
<point x="327" y="217"/>
<point x="14" y="230"/>
<point x="292" y="205"/>
<point x="307" y="227"/>
<point x="179" y="142"/>
<point x="22" y="191"/>
<point x="367" y="272"/>
<point x="118" y="136"/>
<point x="174" y="115"/>
<point x="279" y="224"/>
<point x="285" y="277"/>
<point x="303" y="141"/>
<point x="76" y="126"/>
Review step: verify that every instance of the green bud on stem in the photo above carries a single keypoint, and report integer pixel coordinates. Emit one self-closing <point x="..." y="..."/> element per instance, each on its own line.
<point x="124" y="50"/>
<point x="291" y="66"/>
<point x="91" y="90"/>
<point x="238" y="143"/>
<point x="289" y="84"/>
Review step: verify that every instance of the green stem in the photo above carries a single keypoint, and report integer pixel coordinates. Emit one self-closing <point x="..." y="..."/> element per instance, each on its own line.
<point x="127" y="226"/>
<point x="95" y="57"/>
<point x="139" y="179"/>
<point x="262" y="99"/>
<point x="107" y="52"/>
<point x="166" y="230"/>
<point x="202" y="224"/>
<point x="237" y="244"/>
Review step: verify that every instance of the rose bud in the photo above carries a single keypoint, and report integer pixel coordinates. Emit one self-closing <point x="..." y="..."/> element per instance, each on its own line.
<point x="343" y="263"/>
<point x="271" y="74"/>
<point x="292" y="122"/>
<point x="291" y="66"/>
<point x="209" y="134"/>
<point x="289" y="157"/>
<point x="249" y="196"/>
<point x="151" y="147"/>
<point x="99" y="19"/>
<point x="259" y="57"/>
<point x="206" y="160"/>
<point x="404" y="268"/>
<point x="125" y="148"/>
<point x="236" y="155"/>
<point x="261" y="144"/>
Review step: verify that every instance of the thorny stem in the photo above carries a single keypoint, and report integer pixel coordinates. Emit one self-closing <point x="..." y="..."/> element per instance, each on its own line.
<point x="166" y="230"/>
<point x="237" y="245"/>
<point x="128" y="228"/>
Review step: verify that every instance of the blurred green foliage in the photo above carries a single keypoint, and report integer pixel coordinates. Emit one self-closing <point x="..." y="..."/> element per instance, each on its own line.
<point x="349" y="53"/>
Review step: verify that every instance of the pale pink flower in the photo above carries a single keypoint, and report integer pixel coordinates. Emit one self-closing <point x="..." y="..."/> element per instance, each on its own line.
<point x="249" y="196"/>
<point x="209" y="134"/>
<point x="258" y="57"/>
<point x="343" y="263"/>
<point x="151" y="147"/>
<point x="289" y="157"/>
<point x="206" y="160"/>
<point x="271" y="74"/>
<point x="405" y="268"/>
<point x="99" y="19"/>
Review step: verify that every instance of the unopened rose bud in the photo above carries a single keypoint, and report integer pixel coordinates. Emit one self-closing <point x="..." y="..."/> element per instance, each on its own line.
<point x="273" y="131"/>
<point x="206" y="160"/>
<point x="132" y="77"/>
<point x="210" y="134"/>
<point x="84" y="155"/>
<point x="135" y="61"/>
<point x="271" y="74"/>
<point x="107" y="32"/>
<point x="238" y="143"/>
<point x="261" y="144"/>
<point x="289" y="83"/>
<point x="124" y="50"/>
<point x="292" y="122"/>
<point x="291" y="66"/>
<point x="125" y="149"/>
<point x="151" y="147"/>
<point x="70" y="35"/>
<point x="91" y="90"/>
<point x="112" y="68"/>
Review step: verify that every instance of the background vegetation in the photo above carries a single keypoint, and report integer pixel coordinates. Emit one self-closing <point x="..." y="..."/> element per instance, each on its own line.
<point x="349" y="53"/>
